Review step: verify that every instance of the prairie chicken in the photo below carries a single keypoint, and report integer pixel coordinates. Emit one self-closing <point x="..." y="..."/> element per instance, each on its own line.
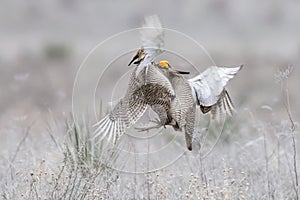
<point x="146" y="80"/>
<point x="166" y="91"/>
<point x="206" y="90"/>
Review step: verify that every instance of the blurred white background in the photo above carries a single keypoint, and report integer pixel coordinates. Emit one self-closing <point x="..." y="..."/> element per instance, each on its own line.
<point x="42" y="44"/>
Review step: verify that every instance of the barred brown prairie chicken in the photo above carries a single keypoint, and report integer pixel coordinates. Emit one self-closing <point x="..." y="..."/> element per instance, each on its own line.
<point x="145" y="81"/>
<point x="133" y="105"/>
<point x="206" y="90"/>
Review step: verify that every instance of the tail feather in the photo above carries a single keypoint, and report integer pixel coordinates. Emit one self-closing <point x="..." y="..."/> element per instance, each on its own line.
<point x="229" y="105"/>
<point x="223" y="106"/>
<point x="216" y="110"/>
<point x="189" y="141"/>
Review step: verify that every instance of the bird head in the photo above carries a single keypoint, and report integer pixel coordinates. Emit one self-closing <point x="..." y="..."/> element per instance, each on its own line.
<point x="138" y="57"/>
<point x="165" y="65"/>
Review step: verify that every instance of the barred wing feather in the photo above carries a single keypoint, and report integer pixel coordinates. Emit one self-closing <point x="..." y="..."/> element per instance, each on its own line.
<point x="134" y="104"/>
<point x="124" y="115"/>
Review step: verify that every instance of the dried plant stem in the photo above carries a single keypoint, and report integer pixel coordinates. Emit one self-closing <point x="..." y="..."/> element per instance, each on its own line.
<point x="148" y="169"/>
<point x="135" y="173"/>
<point x="267" y="166"/>
<point x="292" y="129"/>
<point x="203" y="175"/>
<point x="18" y="149"/>
<point x="295" y="166"/>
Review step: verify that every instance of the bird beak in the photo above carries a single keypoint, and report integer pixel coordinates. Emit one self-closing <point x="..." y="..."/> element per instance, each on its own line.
<point x="133" y="59"/>
<point x="182" y="72"/>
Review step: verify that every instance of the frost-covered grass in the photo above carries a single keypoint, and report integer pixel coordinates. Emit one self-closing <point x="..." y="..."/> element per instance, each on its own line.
<point x="254" y="159"/>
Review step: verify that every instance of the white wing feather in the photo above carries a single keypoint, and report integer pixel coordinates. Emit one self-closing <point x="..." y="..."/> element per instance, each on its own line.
<point x="152" y="36"/>
<point x="209" y="85"/>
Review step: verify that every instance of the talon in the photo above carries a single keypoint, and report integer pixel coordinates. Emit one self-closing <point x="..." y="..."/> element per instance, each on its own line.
<point x="141" y="129"/>
<point x="156" y="121"/>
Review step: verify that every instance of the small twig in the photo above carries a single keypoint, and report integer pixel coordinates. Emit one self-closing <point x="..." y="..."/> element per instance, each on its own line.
<point x="283" y="78"/>
<point x="295" y="166"/>
<point x="19" y="148"/>
<point x="203" y="174"/>
<point x="215" y="144"/>
<point x="148" y="173"/>
<point x="21" y="143"/>
<point x="292" y="129"/>
<point x="135" y="173"/>
<point x="267" y="165"/>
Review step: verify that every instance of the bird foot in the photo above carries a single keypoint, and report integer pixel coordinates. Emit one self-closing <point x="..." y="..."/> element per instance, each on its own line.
<point x="142" y="129"/>
<point x="155" y="121"/>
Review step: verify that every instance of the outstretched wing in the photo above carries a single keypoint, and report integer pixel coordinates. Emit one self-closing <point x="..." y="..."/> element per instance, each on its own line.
<point x="132" y="106"/>
<point x="208" y="89"/>
<point x="152" y="37"/>
<point x="127" y="111"/>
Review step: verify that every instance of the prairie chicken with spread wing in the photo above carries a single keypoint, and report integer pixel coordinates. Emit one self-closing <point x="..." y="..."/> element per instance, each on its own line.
<point x="206" y="90"/>
<point x="146" y="80"/>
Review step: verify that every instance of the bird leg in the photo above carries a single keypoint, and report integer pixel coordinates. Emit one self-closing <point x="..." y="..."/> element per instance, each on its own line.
<point x="156" y="121"/>
<point x="141" y="129"/>
<point x="158" y="125"/>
